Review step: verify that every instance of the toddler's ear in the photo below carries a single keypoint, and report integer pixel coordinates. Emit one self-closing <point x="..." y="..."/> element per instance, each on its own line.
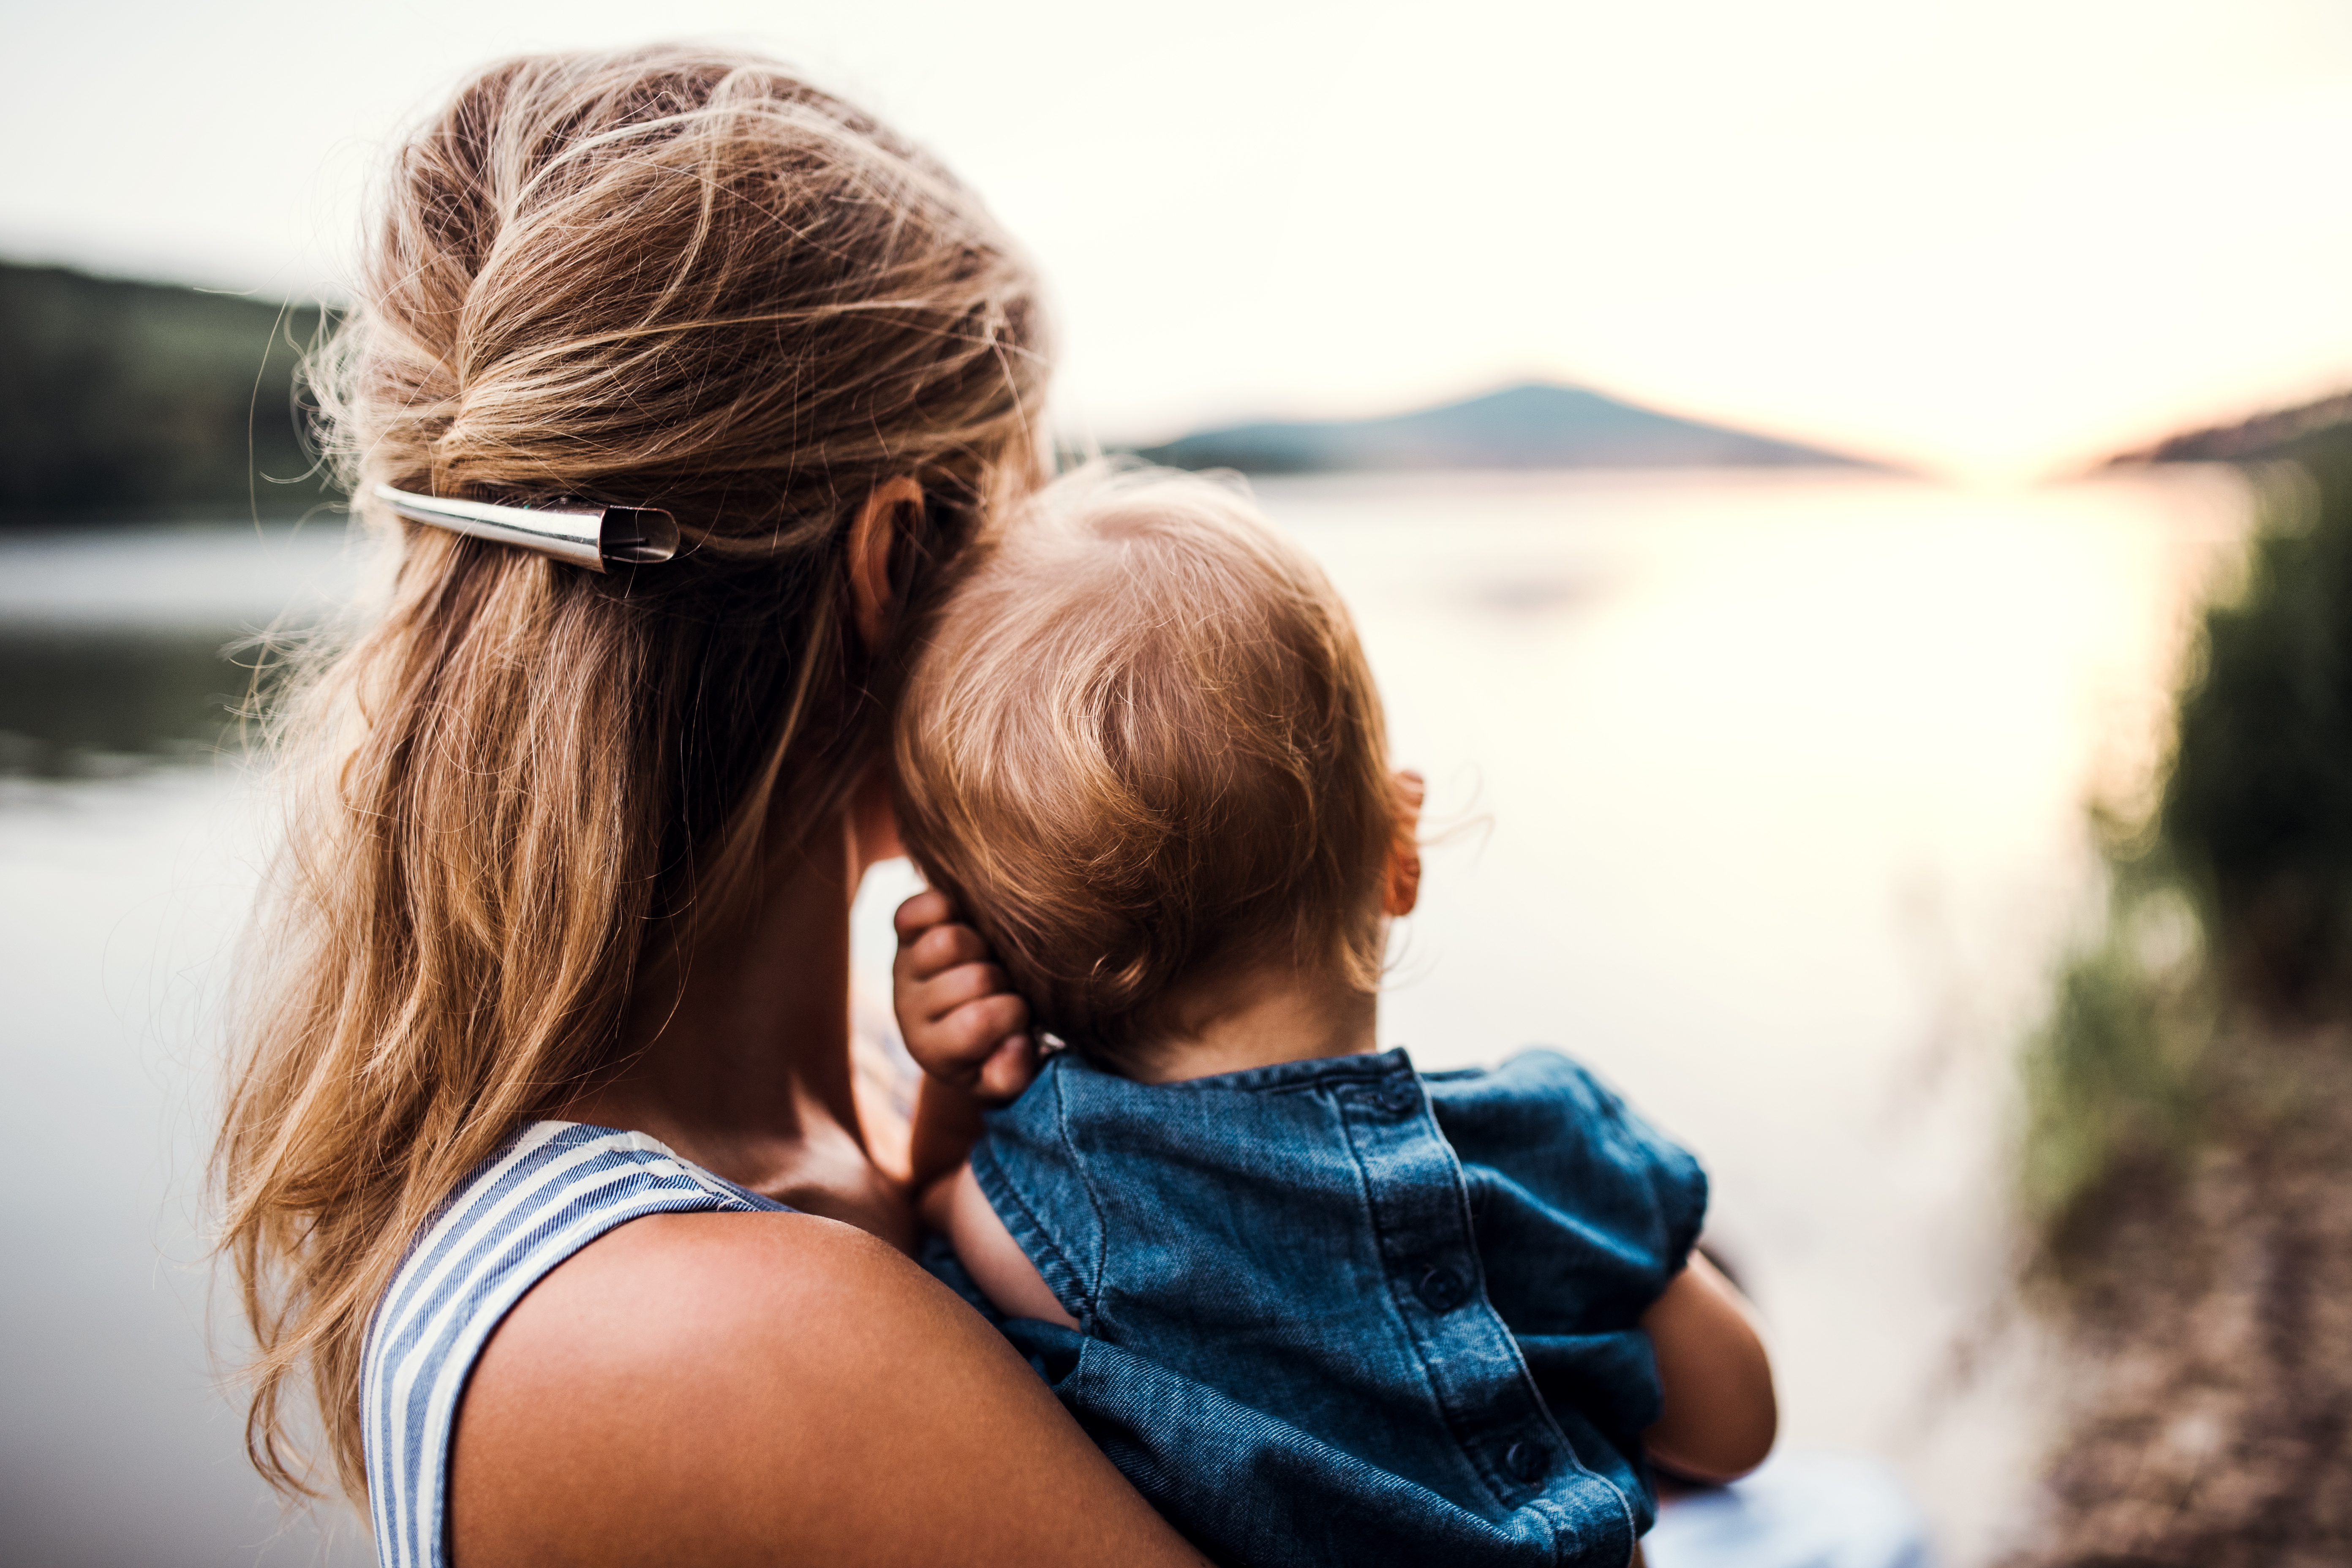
<point x="1403" y="890"/>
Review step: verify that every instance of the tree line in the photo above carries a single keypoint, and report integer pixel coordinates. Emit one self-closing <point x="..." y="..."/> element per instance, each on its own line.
<point x="138" y="402"/>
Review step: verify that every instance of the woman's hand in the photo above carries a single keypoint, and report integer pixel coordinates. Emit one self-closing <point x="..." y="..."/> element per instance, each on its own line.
<point x="961" y="1021"/>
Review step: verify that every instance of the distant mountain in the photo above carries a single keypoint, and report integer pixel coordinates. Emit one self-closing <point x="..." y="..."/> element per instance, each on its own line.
<point x="123" y="400"/>
<point x="1531" y="426"/>
<point x="2252" y="437"/>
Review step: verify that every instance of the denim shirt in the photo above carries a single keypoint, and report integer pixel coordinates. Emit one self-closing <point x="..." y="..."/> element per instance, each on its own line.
<point x="1335" y="1311"/>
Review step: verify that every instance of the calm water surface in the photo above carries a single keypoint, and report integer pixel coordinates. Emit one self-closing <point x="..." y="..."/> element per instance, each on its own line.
<point x="1764" y="795"/>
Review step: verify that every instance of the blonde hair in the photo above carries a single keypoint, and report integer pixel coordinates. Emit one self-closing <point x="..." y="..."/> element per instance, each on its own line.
<point x="1143" y="744"/>
<point x="672" y="277"/>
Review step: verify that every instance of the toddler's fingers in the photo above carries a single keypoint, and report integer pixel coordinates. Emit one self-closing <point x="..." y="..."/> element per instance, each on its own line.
<point x="939" y="949"/>
<point x="965" y="1036"/>
<point x="945" y="992"/>
<point x="1010" y="1067"/>
<point x="919" y="914"/>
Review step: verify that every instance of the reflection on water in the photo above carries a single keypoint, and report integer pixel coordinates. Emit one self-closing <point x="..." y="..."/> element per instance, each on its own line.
<point x="1779" y="780"/>
<point x="125" y="648"/>
<point x="126" y="851"/>
<point x="94" y="701"/>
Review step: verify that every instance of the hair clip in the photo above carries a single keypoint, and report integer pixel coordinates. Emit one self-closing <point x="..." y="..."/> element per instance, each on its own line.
<point x="595" y="537"/>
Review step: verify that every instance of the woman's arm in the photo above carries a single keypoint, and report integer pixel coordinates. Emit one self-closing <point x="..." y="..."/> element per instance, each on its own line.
<point x="1720" y="1413"/>
<point x="722" y="1389"/>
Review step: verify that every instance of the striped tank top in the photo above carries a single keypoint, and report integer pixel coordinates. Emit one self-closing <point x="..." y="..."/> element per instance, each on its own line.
<point x="555" y="1187"/>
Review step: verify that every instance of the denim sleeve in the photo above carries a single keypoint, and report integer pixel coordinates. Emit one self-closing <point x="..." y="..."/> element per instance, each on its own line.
<point x="1589" y="1209"/>
<point x="1036" y="1182"/>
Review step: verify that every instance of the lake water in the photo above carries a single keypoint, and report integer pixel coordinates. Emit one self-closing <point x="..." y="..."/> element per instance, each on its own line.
<point x="1764" y="796"/>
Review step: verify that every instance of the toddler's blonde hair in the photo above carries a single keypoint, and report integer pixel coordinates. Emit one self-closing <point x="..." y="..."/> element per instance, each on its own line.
<point x="1142" y="744"/>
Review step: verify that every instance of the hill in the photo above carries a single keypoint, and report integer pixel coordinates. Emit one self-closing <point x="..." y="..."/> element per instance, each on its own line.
<point x="122" y="400"/>
<point x="2259" y="436"/>
<point x="139" y="401"/>
<point x="1535" y="426"/>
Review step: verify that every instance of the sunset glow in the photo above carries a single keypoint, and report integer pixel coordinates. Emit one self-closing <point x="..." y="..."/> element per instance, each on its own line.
<point x="1998" y="240"/>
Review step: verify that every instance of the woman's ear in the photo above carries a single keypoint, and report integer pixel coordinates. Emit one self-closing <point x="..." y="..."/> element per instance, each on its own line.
<point x="1403" y="890"/>
<point x="873" y="605"/>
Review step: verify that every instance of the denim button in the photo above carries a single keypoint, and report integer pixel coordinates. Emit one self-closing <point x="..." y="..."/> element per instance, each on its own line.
<point x="1528" y="1461"/>
<point x="1399" y="1099"/>
<point x="1442" y="1290"/>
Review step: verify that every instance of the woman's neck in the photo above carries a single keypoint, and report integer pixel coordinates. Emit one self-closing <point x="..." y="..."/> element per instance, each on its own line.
<point x="739" y="1050"/>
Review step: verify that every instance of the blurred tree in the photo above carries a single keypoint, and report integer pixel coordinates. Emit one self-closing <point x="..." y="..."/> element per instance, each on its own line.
<point x="2258" y="810"/>
<point x="122" y="401"/>
<point x="2248" y="861"/>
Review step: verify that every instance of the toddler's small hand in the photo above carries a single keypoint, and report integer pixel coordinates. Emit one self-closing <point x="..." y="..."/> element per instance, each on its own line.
<point x="960" y="1020"/>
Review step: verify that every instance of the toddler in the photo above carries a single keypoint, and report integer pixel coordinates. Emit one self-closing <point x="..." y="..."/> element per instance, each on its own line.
<point x="1319" y="1307"/>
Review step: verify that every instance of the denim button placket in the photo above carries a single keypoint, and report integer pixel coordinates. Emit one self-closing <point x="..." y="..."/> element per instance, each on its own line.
<point x="1386" y="1099"/>
<point x="1478" y="1384"/>
<point x="1441" y="1289"/>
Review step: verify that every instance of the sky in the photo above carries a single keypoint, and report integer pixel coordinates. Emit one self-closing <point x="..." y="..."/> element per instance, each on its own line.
<point x="1998" y="240"/>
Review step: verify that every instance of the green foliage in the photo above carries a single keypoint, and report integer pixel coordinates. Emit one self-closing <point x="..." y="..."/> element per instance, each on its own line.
<point x="2234" y="907"/>
<point x="2259" y="806"/>
<point x="134" y="400"/>
<point x="2112" y="1077"/>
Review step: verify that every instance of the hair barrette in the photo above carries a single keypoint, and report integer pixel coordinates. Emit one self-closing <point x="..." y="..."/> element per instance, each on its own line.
<point x="598" y="537"/>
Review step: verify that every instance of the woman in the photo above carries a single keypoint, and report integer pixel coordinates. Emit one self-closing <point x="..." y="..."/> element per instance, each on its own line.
<point x="560" y="939"/>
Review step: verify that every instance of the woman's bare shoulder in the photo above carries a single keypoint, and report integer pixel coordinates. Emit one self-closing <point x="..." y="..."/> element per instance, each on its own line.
<point x="772" y="1388"/>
